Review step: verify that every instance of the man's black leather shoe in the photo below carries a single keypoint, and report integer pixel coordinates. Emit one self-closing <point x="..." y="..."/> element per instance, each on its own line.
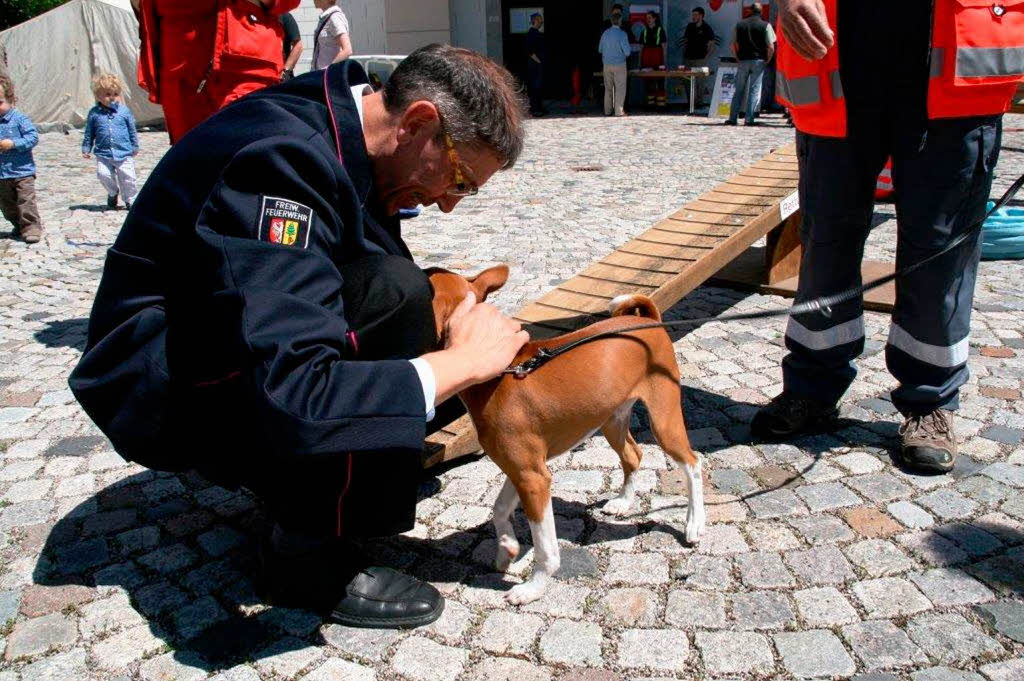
<point x="382" y="598"/>
<point x="331" y="577"/>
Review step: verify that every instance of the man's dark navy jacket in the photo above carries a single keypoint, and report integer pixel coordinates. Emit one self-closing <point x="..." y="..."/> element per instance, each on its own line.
<point x="212" y="344"/>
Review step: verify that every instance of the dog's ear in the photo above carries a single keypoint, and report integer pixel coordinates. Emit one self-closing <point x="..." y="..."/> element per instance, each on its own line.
<point x="442" y="299"/>
<point x="489" y="281"/>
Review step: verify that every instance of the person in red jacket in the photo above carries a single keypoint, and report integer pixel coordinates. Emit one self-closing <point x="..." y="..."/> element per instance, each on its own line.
<point x="927" y="85"/>
<point x="197" y="56"/>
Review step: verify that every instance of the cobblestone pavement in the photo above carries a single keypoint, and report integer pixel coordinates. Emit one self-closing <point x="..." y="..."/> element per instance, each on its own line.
<point x="821" y="558"/>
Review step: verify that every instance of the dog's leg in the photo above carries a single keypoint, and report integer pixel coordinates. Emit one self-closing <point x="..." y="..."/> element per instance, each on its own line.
<point x="695" y="506"/>
<point x="664" y="404"/>
<point x="535" y="493"/>
<point x="508" y="546"/>
<point x="616" y="431"/>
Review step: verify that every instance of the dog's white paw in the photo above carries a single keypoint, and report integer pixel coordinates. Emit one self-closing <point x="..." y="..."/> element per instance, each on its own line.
<point x="694" y="527"/>
<point x="617" y="506"/>
<point x="528" y="592"/>
<point x="508" y="551"/>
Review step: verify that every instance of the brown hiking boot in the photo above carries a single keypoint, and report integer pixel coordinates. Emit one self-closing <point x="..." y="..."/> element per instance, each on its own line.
<point x="927" y="441"/>
<point x="32" y="234"/>
<point x="789" y="415"/>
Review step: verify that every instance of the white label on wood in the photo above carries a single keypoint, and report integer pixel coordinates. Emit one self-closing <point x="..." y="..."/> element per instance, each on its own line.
<point x="789" y="204"/>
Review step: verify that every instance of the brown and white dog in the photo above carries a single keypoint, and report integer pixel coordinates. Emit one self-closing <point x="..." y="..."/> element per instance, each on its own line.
<point x="523" y="422"/>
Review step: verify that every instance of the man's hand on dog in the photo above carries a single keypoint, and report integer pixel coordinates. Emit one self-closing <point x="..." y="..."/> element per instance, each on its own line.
<point x="480" y="343"/>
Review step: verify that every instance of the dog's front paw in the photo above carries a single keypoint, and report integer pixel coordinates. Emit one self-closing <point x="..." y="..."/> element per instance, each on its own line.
<point x="694" y="526"/>
<point x="528" y="592"/>
<point x="617" y="506"/>
<point x="508" y="551"/>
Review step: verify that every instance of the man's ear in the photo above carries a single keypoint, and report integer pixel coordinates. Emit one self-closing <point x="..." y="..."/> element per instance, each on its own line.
<point x="489" y="281"/>
<point x="420" y="116"/>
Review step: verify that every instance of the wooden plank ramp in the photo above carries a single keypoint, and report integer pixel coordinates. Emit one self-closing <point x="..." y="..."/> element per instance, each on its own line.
<point x="673" y="257"/>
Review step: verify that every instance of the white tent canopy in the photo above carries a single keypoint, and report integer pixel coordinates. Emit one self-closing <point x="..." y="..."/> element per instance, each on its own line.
<point x="53" y="57"/>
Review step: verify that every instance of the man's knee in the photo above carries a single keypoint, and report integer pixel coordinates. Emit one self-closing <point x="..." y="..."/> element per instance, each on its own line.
<point x="388" y="302"/>
<point x="407" y="279"/>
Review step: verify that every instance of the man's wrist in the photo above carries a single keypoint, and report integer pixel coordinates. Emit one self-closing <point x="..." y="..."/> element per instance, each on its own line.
<point x="454" y="371"/>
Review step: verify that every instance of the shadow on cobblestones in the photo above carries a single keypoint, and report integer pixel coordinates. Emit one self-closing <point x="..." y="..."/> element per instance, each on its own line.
<point x="64" y="333"/>
<point x="183" y="552"/>
<point x="91" y="207"/>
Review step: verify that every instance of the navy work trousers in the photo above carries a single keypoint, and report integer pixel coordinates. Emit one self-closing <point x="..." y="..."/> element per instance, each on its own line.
<point x="942" y="172"/>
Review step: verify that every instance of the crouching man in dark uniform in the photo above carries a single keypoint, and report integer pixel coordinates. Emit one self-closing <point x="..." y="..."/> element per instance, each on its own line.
<point x="260" y="319"/>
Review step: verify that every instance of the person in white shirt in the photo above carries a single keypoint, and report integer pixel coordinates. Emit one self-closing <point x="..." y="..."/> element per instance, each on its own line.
<point x="331" y="42"/>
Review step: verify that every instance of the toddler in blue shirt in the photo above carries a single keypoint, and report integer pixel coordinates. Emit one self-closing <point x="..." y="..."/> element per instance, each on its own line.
<point x="17" y="167"/>
<point x="110" y="134"/>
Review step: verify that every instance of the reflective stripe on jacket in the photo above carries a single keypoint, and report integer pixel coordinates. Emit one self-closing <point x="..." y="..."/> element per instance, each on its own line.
<point x="977" y="59"/>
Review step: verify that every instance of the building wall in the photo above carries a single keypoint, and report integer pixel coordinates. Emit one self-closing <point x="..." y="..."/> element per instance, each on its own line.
<point x="415" y="23"/>
<point x="494" y="31"/>
<point x="469" y="24"/>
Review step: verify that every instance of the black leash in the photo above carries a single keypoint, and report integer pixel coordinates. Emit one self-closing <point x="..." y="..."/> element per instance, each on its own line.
<point x="823" y="305"/>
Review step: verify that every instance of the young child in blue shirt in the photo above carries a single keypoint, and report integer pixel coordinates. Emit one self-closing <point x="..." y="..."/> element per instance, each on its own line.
<point x="110" y="134"/>
<point x="17" y="167"/>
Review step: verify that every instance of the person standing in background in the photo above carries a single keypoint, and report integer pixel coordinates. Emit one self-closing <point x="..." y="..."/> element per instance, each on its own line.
<point x="331" y="42"/>
<point x="654" y="55"/>
<point x="614" y="49"/>
<point x="196" y="57"/>
<point x="753" y="43"/>
<point x="536" y="56"/>
<point x="291" y="46"/>
<point x="698" y="44"/>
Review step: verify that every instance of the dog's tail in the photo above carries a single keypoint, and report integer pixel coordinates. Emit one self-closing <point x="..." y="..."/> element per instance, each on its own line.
<point x="634" y="304"/>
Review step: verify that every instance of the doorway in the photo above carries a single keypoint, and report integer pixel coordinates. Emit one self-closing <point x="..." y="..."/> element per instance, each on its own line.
<point x="571" y="31"/>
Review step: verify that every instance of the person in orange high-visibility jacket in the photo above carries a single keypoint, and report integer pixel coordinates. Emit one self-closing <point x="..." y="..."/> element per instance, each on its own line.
<point x="925" y="82"/>
<point x="196" y="56"/>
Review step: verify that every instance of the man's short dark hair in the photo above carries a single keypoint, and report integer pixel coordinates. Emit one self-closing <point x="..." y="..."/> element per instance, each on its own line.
<point x="699" y="10"/>
<point x="478" y="99"/>
<point x="617" y="6"/>
<point x="755" y="7"/>
<point x="536" y="15"/>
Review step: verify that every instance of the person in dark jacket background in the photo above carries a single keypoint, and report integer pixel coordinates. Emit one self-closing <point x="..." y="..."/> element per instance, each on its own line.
<point x="536" y="56"/>
<point x="261" y="320"/>
<point x="291" y="47"/>
<point x="753" y="43"/>
<point x="698" y="44"/>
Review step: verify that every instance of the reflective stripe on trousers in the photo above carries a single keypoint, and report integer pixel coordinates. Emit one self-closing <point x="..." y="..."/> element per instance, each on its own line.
<point x="829" y="337"/>
<point x="946" y="356"/>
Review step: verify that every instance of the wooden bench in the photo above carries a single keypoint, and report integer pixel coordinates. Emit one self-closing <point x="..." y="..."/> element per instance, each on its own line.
<point x="672" y="258"/>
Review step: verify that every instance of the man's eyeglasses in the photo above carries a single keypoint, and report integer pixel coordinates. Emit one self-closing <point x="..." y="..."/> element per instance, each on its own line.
<point x="460" y="186"/>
